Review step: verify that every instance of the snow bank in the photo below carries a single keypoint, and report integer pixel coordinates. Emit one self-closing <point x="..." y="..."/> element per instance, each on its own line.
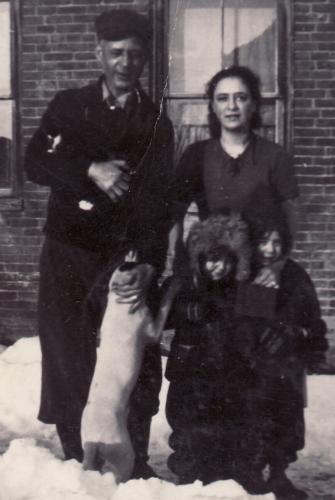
<point x="320" y="420"/>
<point x="30" y="471"/>
<point x="155" y="489"/>
<point x="20" y="385"/>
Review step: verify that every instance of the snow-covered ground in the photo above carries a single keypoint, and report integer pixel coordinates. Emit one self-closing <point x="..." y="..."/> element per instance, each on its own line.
<point x="31" y="465"/>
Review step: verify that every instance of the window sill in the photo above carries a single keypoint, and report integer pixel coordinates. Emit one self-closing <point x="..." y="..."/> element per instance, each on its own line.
<point x="11" y="204"/>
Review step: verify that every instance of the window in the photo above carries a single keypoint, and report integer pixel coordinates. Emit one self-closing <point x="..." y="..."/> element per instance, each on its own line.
<point x="7" y="97"/>
<point x="203" y="36"/>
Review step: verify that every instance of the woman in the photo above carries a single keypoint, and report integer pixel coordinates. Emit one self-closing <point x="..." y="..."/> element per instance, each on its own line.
<point x="276" y="347"/>
<point x="235" y="166"/>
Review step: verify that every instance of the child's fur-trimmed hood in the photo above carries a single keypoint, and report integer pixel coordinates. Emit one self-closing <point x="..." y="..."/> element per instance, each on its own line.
<point x="229" y="232"/>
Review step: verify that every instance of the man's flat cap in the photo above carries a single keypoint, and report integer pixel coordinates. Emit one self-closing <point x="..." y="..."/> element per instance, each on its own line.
<point x="117" y="24"/>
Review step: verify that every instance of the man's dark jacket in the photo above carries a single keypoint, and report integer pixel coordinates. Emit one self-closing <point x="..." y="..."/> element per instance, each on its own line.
<point x="79" y="128"/>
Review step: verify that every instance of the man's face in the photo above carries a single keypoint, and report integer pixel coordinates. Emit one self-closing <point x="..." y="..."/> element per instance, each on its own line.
<point x="123" y="62"/>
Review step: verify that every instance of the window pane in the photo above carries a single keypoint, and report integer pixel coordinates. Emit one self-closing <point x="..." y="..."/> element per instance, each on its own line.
<point x="6" y="126"/>
<point x="195" y="37"/>
<point x="206" y="35"/>
<point x="5" y="49"/>
<point x="249" y="38"/>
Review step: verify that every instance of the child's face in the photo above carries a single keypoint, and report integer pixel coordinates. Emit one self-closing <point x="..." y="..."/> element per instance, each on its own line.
<point x="270" y="248"/>
<point x="219" y="268"/>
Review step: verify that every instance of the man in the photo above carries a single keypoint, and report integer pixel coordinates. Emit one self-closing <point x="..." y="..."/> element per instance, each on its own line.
<point x="105" y="151"/>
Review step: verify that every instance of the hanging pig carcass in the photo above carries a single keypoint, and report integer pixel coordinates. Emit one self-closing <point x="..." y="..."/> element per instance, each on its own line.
<point x="123" y="337"/>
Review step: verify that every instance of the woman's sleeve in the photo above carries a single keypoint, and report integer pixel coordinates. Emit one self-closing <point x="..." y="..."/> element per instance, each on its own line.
<point x="282" y="176"/>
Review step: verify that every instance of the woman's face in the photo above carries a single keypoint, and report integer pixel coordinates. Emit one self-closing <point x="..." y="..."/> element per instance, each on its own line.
<point x="218" y="269"/>
<point x="233" y="104"/>
<point x="270" y="248"/>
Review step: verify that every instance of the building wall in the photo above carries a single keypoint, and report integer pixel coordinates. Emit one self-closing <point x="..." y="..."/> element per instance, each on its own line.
<point x="314" y="141"/>
<point x="58" y="52"/>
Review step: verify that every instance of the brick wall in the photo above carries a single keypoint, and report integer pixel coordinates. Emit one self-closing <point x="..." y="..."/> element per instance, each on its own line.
<point x="58" y="52"/>
<point x="314" y="141"/>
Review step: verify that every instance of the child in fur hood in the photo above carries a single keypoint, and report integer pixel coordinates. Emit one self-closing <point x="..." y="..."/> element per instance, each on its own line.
<point x="218" y="257"/>
<point x="236" y="370"/>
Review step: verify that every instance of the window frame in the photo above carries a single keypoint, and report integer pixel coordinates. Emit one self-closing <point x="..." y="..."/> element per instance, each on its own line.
<point x="8" y="194"/>
<point x="283" y="123"/>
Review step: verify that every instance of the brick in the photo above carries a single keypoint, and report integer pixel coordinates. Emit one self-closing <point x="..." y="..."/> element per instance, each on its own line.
<point x="310" y="151"/>
<point x="312" y="170"/>
<point x="307" y="112"/>
<point x="327" y="64"/>
<point x="309" y="18"/>
<point x="300" y="8"/>
<point x="303" y="37"/>
<point x="59" y="18"/>
<point x="72" y="9"/>
<point x="303" y="27"/>
<point x="325" y="141"/>
<point x="58" y="56"/>
<point x="325" y="27"/>
<point x="328" y="83"/>
<point x="47" y="10"/>
<point x="28" y="10"/>
<point x="71" y="28"/>
<point x="326" y="8"/>
<point x="328" y="46"/>
<point x="310" y="132"/>
<point x="330" y="113"/>
<point x="34" y="39"/>
<point x="323" y="37"/>
<point x="327" y="179"/>
<point x="325" y="122"/>
<point x="304" y="93"/>
<point x="35" y="19"/>
<point x="45" y="29"/>
<point x="303" y="160"/>
<point x="303" y="122"/>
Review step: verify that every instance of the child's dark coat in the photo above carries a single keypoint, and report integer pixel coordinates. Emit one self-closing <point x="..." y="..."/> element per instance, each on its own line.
<point x="236" y="393"/>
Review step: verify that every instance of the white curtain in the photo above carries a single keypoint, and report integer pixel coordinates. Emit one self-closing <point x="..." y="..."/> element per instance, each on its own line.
<point x="206" y="35"/>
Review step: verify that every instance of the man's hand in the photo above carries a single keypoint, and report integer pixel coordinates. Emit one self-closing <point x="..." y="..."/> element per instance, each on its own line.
<point x="134" y="290"/>
<point x="111" y="176"/>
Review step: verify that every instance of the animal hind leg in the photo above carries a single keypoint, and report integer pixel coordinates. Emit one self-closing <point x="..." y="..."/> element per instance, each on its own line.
<point x="118" y="459"/>
<point x="92" y="459"/>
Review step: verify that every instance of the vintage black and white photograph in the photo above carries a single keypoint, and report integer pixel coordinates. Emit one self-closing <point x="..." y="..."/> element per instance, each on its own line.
<point x="167" y="249"/>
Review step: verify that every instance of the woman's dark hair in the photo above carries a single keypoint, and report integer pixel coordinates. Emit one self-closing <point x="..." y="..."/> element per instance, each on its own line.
<point x="250" y="80"/>
<point x="261" y="227"/>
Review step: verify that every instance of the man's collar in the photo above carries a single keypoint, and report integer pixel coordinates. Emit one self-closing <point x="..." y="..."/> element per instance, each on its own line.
<point x="121" y="101"/>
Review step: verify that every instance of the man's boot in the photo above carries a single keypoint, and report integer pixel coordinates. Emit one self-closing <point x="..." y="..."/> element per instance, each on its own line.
<point x="252" y="480"/>
<point x="139" y="431"/>
<point x="282" y="486"/>
<point x="249" y="471"/>
<point x="69" y="436"/>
